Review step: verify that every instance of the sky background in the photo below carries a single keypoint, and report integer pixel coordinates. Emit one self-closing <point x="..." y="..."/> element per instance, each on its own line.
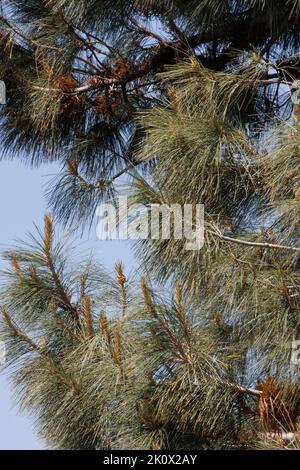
<point x="22" y="204"/>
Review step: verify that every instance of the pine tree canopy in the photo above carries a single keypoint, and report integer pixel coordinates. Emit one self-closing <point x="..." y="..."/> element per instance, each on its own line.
<point x="167" y="102"/>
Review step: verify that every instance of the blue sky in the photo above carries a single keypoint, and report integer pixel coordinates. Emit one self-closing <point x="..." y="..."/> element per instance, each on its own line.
<point x="22" y="204"/>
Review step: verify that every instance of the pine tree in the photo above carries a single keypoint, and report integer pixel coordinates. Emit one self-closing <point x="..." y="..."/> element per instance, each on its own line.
<point x="189" y="102"/>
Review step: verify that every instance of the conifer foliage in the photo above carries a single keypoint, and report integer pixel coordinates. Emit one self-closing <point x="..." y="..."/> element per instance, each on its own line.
<point x="188" y="102"/>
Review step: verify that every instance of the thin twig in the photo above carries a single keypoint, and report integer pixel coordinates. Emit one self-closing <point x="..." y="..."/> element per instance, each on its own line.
<point x="24" y="36"/>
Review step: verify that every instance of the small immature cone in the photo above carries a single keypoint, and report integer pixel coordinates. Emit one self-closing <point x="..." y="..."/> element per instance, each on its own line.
<point x="48" y="233"/>
<point x="53" y="306"/>
<point x="89" y="321"/>
<point x="148" y="298"/>
<point x="16" y="265"/>
<point x="33" y="273"/>
<point x="121" y="278"/>
<point x="7" y="318"/>
<point x="104" y="327"/>
<point x="275" y="412"/>
<point x="155" y="446"/>
<point x="282" y="289"/>
<point x="103" y="323"/>
<point x="117" y="351"/>
<point x="297" y="194"/>
<point x="194" y="62"/>
<point x="292" y="136"/>
<point x="43" y="344"/>
<point x="217" y="319"/>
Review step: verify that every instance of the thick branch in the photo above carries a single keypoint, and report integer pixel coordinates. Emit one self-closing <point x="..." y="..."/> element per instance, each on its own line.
<point x="238" y="241"/>
<point x="236" y="387"/>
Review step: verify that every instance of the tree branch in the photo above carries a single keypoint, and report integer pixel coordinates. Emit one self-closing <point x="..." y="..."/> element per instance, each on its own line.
<point x="68" y="382"/>
<point x="217" y="233"/>
<point x="24" y="36"/>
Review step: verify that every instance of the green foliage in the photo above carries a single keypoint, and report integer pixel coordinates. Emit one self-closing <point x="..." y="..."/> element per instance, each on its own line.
<point x="118" y="378"/>
<point x="141" y="374"/>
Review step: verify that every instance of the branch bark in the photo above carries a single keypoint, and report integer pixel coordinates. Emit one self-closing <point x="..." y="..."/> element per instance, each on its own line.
<point x="274" y="246"/>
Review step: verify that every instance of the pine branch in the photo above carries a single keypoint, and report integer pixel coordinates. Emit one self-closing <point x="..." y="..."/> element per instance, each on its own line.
<point x="270" y="246"/>
<point x="68" y="382"/>
<point x="234" y="386"/>
<point x="150" y="33"/>
<point x="165" y="55"/>
<point x="101" y="183"/>
<point x="183" y="354"/>
<point x="183" y="316"/>
<point x="104" y="329"/>
<point x="216" y="232"/>
<point x="82" y="40"/>
<point x="64" y="296"/>
<point x="25" y="37"/>
<point x="64" y="324"/>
